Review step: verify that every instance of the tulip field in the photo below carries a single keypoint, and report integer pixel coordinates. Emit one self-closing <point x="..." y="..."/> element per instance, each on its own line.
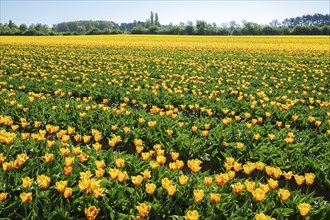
<point x="164" y="127"/>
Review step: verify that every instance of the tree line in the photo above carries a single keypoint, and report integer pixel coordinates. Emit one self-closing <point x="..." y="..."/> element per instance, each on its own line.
<point x="316" y="24"/>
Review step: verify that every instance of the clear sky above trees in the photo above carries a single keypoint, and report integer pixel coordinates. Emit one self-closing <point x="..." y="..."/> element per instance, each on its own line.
<point x="52" y="12"/>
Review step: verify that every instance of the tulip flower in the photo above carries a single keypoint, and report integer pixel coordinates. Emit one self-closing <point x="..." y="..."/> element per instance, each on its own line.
<point x="238" y="188"/>
<point x="43" y="181"/>
<point x="3" y="196"/>
<point x="67" y="192"/>
<point x="221" y="179"/>
<point x="249" y="185"/>
<point x="215" y="198"/>
<point x="284" y="194"/>
<point x="27" y="182"/>
<point x="91" y="212"/>
<point x="194" y="165"/>
<point x="304" y="209"/>
<point x="68" y="162"/>
<point x="192" y="215"/>
<point x="26" y="197"/>
<point x="150" y="188"/>
<point x="143" y="209"/>
<point x="171" y="189"/>
<point x="174" y="155"/>
<point x="262" y="216"/>
<point x="309" y="178"/>
<point x="273" y="184"/>
<point x="258" y="195"/>
<point x="137" y="180"/>
<point x="287" y="175"/>
<point x="61" y="185"/>
<point x="198" y="195"/>
<point x="183" y="179"/>
<point x="120" y="162"/>
<point x="299" y="179"/>
<point x="146" y="174"/>
<point x="208" y="181"/>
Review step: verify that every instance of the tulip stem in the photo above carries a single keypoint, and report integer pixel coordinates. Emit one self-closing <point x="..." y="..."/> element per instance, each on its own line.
<point x="25" y="210"/>
<point x="307" y="191"/>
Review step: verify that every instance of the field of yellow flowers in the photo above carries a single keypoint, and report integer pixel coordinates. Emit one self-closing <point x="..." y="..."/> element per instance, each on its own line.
<point x="164" y="127"/>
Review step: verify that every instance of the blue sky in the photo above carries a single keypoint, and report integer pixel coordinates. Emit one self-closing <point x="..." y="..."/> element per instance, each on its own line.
<point x="54" y="11"/>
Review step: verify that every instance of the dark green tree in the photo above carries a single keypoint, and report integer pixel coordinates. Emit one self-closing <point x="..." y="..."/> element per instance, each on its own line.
<point x="151" y="18"/>
<point x="23" y="28"/>
<point x="189" y="30"/>
<point x="157" y="20"/>
<point x="201" y="27"/>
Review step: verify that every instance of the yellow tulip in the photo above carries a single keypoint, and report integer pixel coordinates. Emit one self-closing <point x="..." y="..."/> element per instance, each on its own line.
<point x="194" y="129"/>
<point x="166" y="183"/>
<point x="120" y="162"/>
<point x="183" y="180"/>
<point x="284" y="194"/>
<point x="3" y="196"/>
<point x="99" y="164"/>
<point x="91" y="212"/>
<point x="61" y="185"/>
<point x="249" y="185"/>
<point x="43" y="181"/>
<point x="83" y="157"/>
<point x="64" y="152"/>
<point x="260" y="165"/>
<point x="277" y="172"/>
<point x="97" y="147"/>
<point x="67" y="171"/>
<point x="76" y="151"/>
<point x="258" y="195"/>
<point x="237" y="166"/>
<point x="145" y="156"/>
<point x="299" y="179"/>
<point x="154" y="164"/>
<point x="67" y="192"/>
<point x="171" y="190"/>
<point x="27" y="182"/>
<point x="230" y="161"/>
<point x="192" y="215"/>
<point x="26" y="197"/>
<point x="215" y="198"/>
<point x="238" y="188"/>
<point x="231" y="174"/>
<point x="287" y="175"/>
<point x="146" y="174"/>
<point x="262" y="216"/>
<point x="122" y="176"/>
<point x="174" y="155"/>
<point x="113" y="173"/>
<point x="68" y="162"/>
<point x="143" y="209"/>
<point x="304" y="209"/>
<point x="208" y="181"/>
<point x="194" y="165"/>
<point x="309" y="178"/>
<point x="99" y="172"/>
<point x="150" y="188"/>
<point x="198" y="195"/>
<point x="273" y="184"/>
<point x="137" y="180"/>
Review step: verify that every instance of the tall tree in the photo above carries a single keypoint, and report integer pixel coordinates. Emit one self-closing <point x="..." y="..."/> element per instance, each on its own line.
<point x="275" y="23"/>
<point x="23" y="28"/>
<point x="233" y="25"/>
<point x="201" y="27"/>
<point x="151" y="18"/>
<point x="11" y="24"/>
<point x="157" y="20"/>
